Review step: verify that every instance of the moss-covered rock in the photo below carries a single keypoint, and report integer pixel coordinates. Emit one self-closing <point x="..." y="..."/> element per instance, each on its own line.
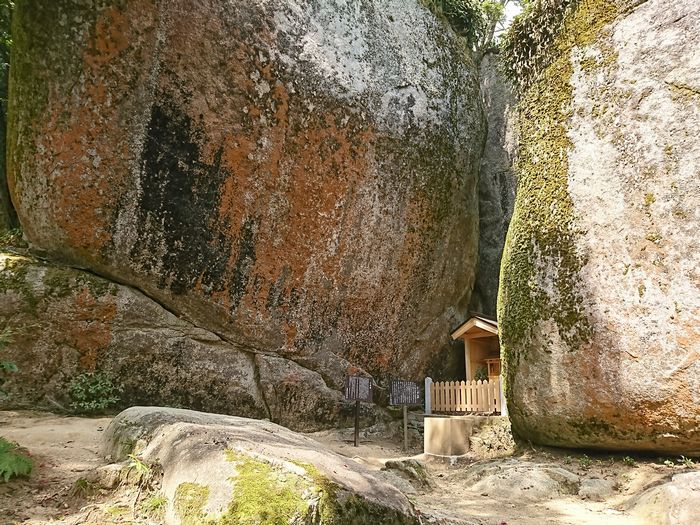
<point x="224" y="470"/>
<point x="190" y="500"/>
<point x="599" y="298"/>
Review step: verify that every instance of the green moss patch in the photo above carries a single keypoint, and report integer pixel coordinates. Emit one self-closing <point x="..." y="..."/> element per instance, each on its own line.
<point x="271" y="494"/>
<point x="190" y="500"/>
<point x="63" y="281"/>
<point x="541" y="244"/>
<point x="265" y="493"/>
<point x="13" y="278"/>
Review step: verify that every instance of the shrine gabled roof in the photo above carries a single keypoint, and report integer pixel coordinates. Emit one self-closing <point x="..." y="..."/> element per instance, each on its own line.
<point x="476" y="325"/>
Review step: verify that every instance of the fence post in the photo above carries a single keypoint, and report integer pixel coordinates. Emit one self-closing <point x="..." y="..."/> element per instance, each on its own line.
<point x="504" y="406"/>
<point x="428" y="382"/>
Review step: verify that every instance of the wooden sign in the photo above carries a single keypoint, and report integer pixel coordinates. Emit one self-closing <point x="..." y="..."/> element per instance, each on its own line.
<point x="403" y="392"/>
<point x="358" y="388"/>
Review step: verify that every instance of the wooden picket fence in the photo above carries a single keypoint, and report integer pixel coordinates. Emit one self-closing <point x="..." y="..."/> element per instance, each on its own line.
<point x="466" y="396"/>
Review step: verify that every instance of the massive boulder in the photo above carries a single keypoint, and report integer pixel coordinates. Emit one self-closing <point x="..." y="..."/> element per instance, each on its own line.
<point x="298" y="177"/>
<point x="224" y="469"/>
<point x="600" y="300"/>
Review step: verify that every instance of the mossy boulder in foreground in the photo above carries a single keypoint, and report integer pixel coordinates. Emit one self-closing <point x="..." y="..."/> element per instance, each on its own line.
<point x="230" y="470"/>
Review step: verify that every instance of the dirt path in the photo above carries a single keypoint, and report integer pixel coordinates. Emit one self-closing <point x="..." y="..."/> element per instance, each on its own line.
<point x="450" y="499"/>
<point x="63" y="448"/>
<point x="66" y="448"/>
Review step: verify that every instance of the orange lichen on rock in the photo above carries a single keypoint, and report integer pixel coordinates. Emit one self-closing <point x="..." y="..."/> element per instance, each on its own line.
<point x="90" y="331"/>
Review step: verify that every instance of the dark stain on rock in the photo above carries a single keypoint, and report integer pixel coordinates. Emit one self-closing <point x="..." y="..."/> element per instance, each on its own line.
<point x="179" y="239"/>
<point x="244" y="262"/>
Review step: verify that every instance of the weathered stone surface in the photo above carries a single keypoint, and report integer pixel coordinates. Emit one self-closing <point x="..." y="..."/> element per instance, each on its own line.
<point x="66" y="322"/>
<point x="298" y="177"/>
<point x="596" y="489"/>
<point x="515" y="480"/>
<point x="225" y="468"/>
<point x="676" y="502"/>
<point x="497" y="183"/>
<point x="299" y="398"/>
<point x="493" y="438"/>
<point x="600" y="301"/>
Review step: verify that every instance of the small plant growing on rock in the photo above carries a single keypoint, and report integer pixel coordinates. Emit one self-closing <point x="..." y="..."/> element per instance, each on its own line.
<point x="93" y="393"/>
<point x="82" y="488"/>
<point x="142" y="469"/>
<point x="13" y="463"/>
<point x="686" y="462"/>
<point x="629" y="461"/>
<point x="12" y="239"/>
<point x="584" y="462"/>
<point x="154" y="506"/>
<point x="6" y="367"/>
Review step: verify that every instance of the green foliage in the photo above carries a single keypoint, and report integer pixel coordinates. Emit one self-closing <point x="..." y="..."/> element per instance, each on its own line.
<point x="12" y="462"/>
<point x="526" y="47"/>
<point x="481" y="374"/>
<point x="154" y="506"/>
<point x="629" y="461"/>
<point x="13" y="238"/>
<point x="93" y="392"/>
<point x="143" y="471"/>
<point x="686" y="462"/>
<point x="82" y="488"/>
<point x="584" y="462"/>
<point x="117" y="510"/>
<point x="464" y="16"/>
<point x="475" y="20"/>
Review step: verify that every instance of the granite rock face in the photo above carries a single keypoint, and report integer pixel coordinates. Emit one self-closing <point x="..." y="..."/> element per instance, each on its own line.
<point x="298" y="177"/>
<point x="66" y="322"/>
<point x="599" y="305"/>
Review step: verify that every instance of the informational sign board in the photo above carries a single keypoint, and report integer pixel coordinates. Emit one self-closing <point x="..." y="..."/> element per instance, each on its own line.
<point x="358" y="388"/>
<point x="403" y="392"/>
